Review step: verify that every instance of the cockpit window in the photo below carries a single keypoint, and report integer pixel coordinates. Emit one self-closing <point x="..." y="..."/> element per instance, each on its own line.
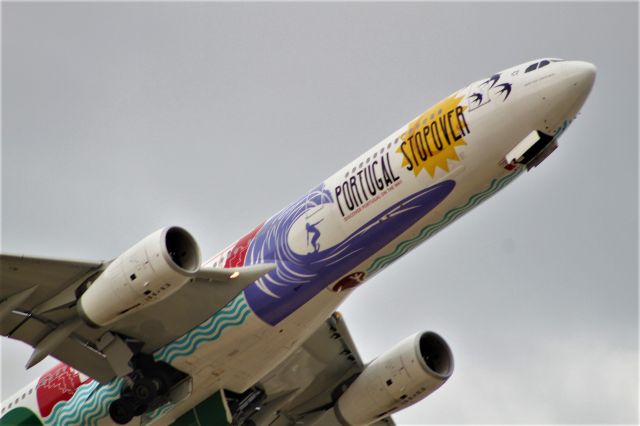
<point x="541" y="64"/>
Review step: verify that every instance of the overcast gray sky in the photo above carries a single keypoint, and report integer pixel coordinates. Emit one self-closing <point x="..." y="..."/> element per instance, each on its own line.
<point x="120" y="118"/>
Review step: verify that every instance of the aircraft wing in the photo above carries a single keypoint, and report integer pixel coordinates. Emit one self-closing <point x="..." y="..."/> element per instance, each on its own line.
<point x="303" y="388"/>
<point x="38" y="306"/>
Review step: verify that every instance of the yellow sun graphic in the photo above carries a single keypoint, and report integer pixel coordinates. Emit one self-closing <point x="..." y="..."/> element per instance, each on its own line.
<point x="430" y="140"/>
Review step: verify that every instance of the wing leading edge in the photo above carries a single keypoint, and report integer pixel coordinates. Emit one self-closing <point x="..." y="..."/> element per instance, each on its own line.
<point x="37" y="306"/>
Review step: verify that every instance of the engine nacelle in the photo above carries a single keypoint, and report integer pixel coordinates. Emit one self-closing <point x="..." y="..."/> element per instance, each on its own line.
<point x="406" y="374"/>
<point x="145" y="274"/>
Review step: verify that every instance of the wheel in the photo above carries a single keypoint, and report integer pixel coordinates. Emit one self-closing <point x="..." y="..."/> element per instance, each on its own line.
<point x="145" y="390"/>
<point x="126" y="391"/>
<point x="161" y="378"/>
<point x="121" y="410"/>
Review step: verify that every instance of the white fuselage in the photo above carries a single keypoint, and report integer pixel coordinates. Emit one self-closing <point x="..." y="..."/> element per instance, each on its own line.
<point x="457" y="147"/>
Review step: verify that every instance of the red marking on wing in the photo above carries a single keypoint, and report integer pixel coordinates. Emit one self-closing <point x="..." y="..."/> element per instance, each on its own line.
<point x="57" y="384"/>
<point x="239" y="250"/>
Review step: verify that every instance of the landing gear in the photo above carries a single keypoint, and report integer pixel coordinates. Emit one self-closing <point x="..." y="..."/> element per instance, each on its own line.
<point x="244" y="405"/>
<point x="149" y="387"/>
<point x="146" y="390"/>
<point x="122" y="410"/>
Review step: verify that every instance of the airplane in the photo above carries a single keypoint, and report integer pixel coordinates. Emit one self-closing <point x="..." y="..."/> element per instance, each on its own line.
<point x="252" y="335"/>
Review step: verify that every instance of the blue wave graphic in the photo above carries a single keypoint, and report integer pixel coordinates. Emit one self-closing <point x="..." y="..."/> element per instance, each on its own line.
<point x="299" y="277"/>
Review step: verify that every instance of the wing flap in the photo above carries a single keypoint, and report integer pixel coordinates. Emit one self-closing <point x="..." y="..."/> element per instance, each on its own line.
<point x="81" y="356"/>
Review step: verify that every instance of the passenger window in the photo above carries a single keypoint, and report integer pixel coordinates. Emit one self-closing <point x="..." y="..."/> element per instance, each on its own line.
<point x="543" y="63"/>
<point x="531" y="67"/>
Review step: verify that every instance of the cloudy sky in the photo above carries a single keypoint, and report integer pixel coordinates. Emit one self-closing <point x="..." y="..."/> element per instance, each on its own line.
<point x="119" y="119"/>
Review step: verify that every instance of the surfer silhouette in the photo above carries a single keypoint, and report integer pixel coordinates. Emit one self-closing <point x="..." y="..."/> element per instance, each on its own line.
<point x="311" y="229"/>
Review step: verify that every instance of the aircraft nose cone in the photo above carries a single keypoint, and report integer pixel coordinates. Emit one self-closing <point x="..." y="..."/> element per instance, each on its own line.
<point x="581" y="76"/>
<point x="576" y="86"/>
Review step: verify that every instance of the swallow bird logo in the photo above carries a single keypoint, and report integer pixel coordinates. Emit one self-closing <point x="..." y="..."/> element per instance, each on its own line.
<point x="505" y="88"/>
<point x="493" y="80"/>
<point x="476" y="98"/>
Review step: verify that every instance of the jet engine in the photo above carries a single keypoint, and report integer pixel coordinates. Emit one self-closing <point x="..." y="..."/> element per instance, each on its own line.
<point x="404" y="375"/>
<point x="148" y="272"/>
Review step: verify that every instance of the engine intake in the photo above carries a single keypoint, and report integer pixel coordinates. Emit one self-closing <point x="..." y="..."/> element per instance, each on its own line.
<point x="182" y="249"/>
<point x="436" y="354"/>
